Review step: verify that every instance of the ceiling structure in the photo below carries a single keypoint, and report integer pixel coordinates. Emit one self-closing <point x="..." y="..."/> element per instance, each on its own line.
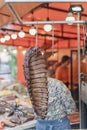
<point x="64" y="36"/>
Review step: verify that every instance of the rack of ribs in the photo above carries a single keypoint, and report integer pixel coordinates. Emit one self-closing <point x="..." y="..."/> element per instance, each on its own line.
<point x="35" y="72"/>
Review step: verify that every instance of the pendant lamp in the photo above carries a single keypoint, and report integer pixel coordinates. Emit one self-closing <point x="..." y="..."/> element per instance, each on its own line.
<point x="48" y="27"/>
<point x="2" y="40"/>
<point x="7" y="37"/>
<point x="21" y="34"/>
<point x="32" y="30"/>
<point x="70" y="19"/>
<point x="14" y="36"/>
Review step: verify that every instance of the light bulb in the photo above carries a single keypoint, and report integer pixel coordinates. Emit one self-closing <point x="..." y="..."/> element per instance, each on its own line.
<point x="24" y="52"/>
<point x="2" y="40"/>
<point x="47" y="27"/>
<point x="21" y="34"/>
<point x="70" y="19"/>
<point x="14" y="36"/>
<point x="32" y="31"/>
<point x="7" y="37"/>
<point x="76" y="9"/>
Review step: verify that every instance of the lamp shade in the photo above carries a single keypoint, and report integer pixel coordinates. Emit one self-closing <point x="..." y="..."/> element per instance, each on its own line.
<point x="47" y="27"/>
<point x="76" y="8"/>
<point x="7" y="37"/>
<point x="32" y="31"/>
<point x="70" y="19"/>
<point x="14" y="36"/>
<point x="2" y="40"/>
<point x="21" y="34"/>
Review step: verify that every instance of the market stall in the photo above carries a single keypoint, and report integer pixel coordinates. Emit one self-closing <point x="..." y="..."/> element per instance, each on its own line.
<point x="62" y="35"/>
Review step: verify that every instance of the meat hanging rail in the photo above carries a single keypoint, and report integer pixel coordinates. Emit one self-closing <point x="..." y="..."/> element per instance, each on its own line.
<point x="41" y="22"/>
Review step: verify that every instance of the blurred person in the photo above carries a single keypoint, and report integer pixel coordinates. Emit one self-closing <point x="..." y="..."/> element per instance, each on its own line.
<point x="62" y="72"/>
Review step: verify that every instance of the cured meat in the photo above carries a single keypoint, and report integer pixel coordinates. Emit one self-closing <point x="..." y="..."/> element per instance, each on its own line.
<point x="38" y="75"/>
<point x="38" y="80"/>
<point x="40" y="90"/>
<point x="38" y="71"/>
<point x="36" y="59"/>
<point x="36" y="67"/>
<point x="35" y="72"/>
<point x="37" y="62"/>
<point x="39" y="85"/>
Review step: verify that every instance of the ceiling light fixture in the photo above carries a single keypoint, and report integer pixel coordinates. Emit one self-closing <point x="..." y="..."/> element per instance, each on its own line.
<point x="70" y="18"/>
<point x="32" y="31"/>
<point x="21" y="34"/>
<point x="14" y="36"/>
<point x="7" y="37"/>
<point x="2" y="40"/>
<point x="48" y="27"/>
<point x="73" y="9"/>
<point x="76" y="8"/>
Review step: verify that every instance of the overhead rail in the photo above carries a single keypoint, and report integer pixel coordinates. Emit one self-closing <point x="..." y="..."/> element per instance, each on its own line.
<point x="30" y="1"/>
<point x="42" y="22"/>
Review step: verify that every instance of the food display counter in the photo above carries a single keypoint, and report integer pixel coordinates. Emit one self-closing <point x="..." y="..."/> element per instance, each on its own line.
<point x="16" y="112"/>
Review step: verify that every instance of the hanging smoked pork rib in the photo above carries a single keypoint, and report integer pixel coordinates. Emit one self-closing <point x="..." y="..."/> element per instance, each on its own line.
<point x="35" y="72"/>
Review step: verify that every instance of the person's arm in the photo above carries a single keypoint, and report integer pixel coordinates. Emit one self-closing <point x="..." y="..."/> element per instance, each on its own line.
<point x="66" y="98"/>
